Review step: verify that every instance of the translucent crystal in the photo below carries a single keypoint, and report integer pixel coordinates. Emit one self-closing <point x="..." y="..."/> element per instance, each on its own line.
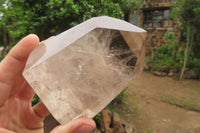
<point x="80" y="71"/>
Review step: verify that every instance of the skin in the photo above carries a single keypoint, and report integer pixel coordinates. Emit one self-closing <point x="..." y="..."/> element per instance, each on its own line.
<point x="16" y="113"/>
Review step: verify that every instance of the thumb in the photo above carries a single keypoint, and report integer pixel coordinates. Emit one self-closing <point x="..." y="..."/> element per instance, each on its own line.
<point x="80" y="125"/>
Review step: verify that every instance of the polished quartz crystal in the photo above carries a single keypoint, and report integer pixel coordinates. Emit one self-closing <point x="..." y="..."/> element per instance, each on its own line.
<point x="78" y="72"/>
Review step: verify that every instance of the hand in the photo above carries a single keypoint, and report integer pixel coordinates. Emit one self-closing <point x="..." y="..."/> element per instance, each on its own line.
<point x="16" y="113"/>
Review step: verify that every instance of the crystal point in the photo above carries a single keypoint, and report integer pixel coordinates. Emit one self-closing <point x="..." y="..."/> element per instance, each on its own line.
<point x="78" y="72"/>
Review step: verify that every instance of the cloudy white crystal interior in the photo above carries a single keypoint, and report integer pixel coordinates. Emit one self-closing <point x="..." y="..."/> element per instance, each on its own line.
<point x="84" y="77"/>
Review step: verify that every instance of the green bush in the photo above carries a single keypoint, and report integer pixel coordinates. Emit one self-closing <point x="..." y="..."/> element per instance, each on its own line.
<point x="1" y="57"/>
<point x="164" y="57"/>
<point x="170" y="36"/>
<point x="195" y="65"/>
<point x="118" y="100"/>
<point x="164" y="51"/>
<point x="167" y="55"/>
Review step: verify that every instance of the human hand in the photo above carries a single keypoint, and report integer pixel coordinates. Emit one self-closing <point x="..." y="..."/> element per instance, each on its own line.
<point x="16" y="113"/>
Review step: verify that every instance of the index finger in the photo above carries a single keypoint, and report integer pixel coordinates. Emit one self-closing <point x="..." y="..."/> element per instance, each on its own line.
<point x="14" y="63"/>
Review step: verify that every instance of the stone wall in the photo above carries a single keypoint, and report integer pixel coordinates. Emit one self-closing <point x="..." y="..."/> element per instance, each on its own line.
<point x="157" y="3"/>
<point x="155" y="36"/>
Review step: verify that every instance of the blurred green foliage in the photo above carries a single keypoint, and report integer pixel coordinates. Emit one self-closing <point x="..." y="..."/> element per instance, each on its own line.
<point x="1" y="57"/>
<point x="167" y="55"/>
<point x="195" y="64"/>
<point x="172" y="55"/>
<point x="188" y="12"/>
<point x="49" y="17"/>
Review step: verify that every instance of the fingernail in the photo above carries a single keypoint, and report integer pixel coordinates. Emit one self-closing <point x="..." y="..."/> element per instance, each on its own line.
<point x="85" y="129"/>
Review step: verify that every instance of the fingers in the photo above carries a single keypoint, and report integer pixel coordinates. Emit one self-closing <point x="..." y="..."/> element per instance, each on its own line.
<point x="14" y="63"/>
<point x="26" y="93"/>
<point x="41" y="110"/>
<point x="80" y="125"/>
<point x="3" y="130"/>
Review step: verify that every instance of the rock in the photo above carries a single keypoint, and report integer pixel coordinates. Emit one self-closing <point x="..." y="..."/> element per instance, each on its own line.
<point x="174" y="69"/>
<point x="146" y="68"/>
<point x="109" y="130"/>
<point x="157" y="73"/>
<point x="190" y="74"/>
<point x="164" y="74"/>
<point x="186" y="69"/>
<point x="117" y="125"/>
<point x="162" y="68"/>
<point x="106" y="119"/>
<point x="111" y="123"/>
<point x="160" y="73"/>
<point x="132" y="130"/>
<point x="129" y="129"/>
<point x="96" y="131"/>
<point x="170" y="74"/>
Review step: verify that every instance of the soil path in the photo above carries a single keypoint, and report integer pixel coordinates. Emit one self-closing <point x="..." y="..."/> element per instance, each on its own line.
<point x="154" y="104"/>
<point x="162" y="105"/>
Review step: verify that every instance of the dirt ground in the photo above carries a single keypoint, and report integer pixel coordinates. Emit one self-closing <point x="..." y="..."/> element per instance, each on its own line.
<point x="161" y="105"/>
<point x="155" y="104"/>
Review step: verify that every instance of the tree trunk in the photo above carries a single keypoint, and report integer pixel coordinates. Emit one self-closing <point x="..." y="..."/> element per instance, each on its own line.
<point x="11" y="40"/>
<point x="186" y="52"/>
<point x="4" y="41"/>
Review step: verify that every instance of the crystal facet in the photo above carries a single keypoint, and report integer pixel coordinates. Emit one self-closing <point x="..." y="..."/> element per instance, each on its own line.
<point x="78" y="72"/>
